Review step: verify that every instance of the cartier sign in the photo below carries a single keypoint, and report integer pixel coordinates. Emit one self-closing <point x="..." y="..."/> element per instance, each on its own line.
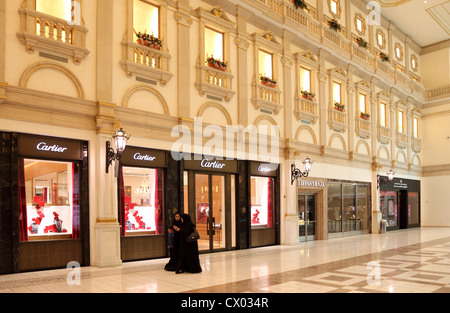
<point x="264" y="169"/>
<point x="49" y="147"/>
<point x="42" y="146"/>
<point x="144" y="157"/>
<point x="214" y="164"/>
<point x="210" y="164"/>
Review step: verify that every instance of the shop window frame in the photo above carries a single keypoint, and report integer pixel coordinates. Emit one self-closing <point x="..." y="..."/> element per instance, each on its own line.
<point x="355" y="184"/>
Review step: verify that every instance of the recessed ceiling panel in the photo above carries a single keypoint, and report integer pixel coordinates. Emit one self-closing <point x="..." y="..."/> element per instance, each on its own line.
<point x="441" y="14"/>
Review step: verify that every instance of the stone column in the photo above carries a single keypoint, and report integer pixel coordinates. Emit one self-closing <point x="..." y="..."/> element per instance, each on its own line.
<point x="2" y="40"/>
<point x="107" y="228"/>
<point x="242" y="44"/>
<point x="352" y="110"/>
<point x="323" y="104"/>
<point x="291" y="215"/>
<point x="3" y="84"/>
<point x="184" y="23"/>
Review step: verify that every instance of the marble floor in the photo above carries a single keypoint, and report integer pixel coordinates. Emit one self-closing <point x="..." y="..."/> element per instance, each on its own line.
<point x="404" y="261"/>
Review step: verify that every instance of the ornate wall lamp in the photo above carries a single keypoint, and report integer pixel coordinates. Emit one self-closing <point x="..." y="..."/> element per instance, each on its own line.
<point x="120" y="139"/>
<point x="296" y="173"/>
<point x="383" y="180"/>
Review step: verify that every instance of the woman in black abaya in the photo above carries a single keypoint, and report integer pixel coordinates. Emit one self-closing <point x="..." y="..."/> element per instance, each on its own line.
<point x="189" y="260"/>
<point x="174" y="257"/>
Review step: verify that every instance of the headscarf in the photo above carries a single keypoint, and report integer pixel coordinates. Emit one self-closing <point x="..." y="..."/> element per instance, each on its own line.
<point x="187" y="219"/>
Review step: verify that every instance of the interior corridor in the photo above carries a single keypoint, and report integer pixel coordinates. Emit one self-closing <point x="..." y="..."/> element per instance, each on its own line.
<point x="414" y="260"/>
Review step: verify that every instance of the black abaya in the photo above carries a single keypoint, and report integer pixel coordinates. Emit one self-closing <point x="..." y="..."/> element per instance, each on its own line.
<point x="189" y="260"/>
<point x="174" y="258"/>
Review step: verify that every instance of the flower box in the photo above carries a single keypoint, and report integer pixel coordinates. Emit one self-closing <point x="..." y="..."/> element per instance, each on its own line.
<point x="383" y="57"/>
<point x="334" y="24"/>
<point x="267" y="81"/>
<point x="217" y="64"/>
<point x="361" y="42"/>
<point x="364" y="116"/>
<point x="308" y="95"/>
<point x="338" y="106"/>
<point x="300" y="4"/>
<point x="149" y="40"/>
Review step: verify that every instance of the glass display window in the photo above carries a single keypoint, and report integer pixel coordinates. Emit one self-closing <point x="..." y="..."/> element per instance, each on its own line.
<point x="141" y="201"/>
<point x="389" y="207"/>
<point x="262" y="201"/>
<point x="49" y="196"/>
<point x="413" y="209"/>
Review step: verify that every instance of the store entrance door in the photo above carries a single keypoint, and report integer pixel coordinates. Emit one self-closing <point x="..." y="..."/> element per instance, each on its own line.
<point x="210" y="204"/>
<point x="307" y="222"/>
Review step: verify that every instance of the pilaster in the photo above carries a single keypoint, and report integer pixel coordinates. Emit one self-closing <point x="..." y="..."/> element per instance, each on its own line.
<point x="290" y="215"/>
<point x="184" y="22"/>
<point x="323" y="96"/>
<point x="105" y="48"/>
<point x="242" y="44"/>
<point x="107" y="227"/>
<point x="350" y="89"/>
<point x="289" y="88"/>
<point x="2" y="42"/>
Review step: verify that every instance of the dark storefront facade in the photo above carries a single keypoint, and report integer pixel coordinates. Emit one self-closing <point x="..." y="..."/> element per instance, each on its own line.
<point x="147" y="191"/>
<point x="234" y="203"/>
<point x="44" y="202"/>
<point x="400" y="203"/>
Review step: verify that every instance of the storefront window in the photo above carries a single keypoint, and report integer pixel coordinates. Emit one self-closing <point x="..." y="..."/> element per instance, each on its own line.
<point x="348" y="207"/>
<point x="349" y="218"/>
<point x="413" y="208"/>
<point x="141" y="201"/>
<point x="389" y="208"/>
<point x="262" y="202"/>
<point x="362" y="201"/>
<point x="49" y="200"/>
<point x="334" y="208"/>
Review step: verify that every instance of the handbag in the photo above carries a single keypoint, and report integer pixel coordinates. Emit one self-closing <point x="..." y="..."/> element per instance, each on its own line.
<point x="193" y="237"/>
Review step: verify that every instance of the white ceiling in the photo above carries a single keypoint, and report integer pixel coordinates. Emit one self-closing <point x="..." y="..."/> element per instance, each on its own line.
<point x="426" y="22"/>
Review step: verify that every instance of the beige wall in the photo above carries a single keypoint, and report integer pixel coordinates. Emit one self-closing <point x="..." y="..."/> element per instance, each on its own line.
<point x="90" y="99"/>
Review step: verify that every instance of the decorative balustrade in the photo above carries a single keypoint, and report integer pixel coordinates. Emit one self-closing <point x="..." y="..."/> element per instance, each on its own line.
<point x="52" y="35"/>
<point x="402" y="140"/>
<point x="274" y="5"/>
<point x="363" y="54"/>
<point x="337" y="119"/>
<point x="306" y="110"/>
<point x="266" y="98"/>
<point x="214" y="82"/>
<point x="402" y="78"/>
<point x="416" y="144"/>
<point x="302" y="18"/>
<point x="363" y="127"/>
<point x="440" y="91"/>
<point x="336" y="38"/>
<point x="384" y="134"/>
<point x="146" y="62"/>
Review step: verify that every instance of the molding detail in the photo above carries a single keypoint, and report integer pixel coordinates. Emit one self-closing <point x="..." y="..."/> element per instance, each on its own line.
<point x="49" y="65"/>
